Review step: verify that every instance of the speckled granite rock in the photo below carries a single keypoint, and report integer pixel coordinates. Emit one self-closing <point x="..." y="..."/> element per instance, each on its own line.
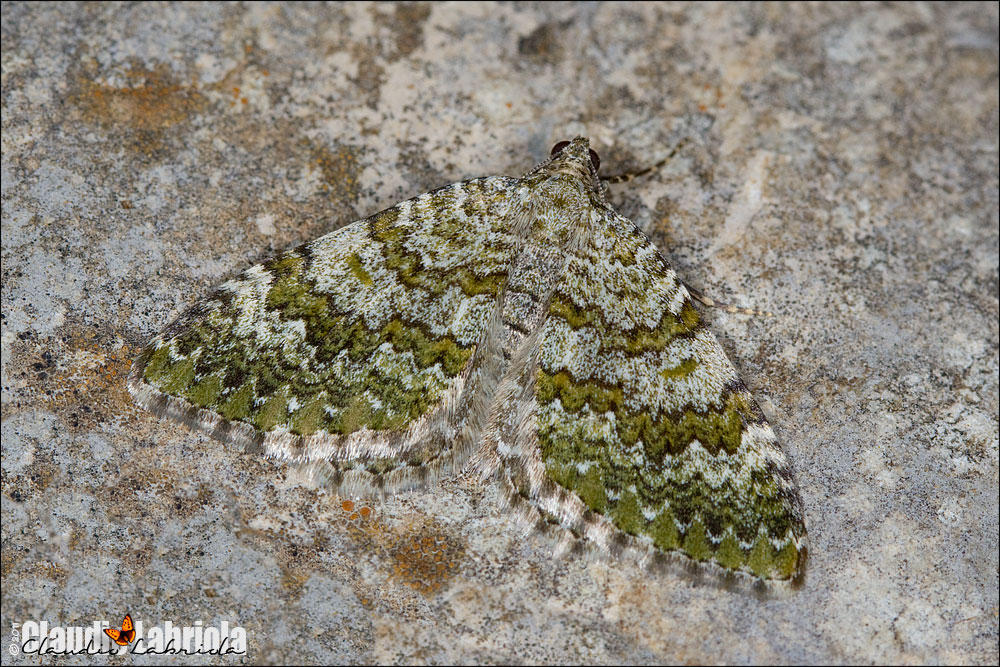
<point x="841" y="171"/>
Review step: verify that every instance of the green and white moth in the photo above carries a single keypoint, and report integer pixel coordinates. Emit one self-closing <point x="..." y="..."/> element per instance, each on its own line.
<point x="517" y="327"/>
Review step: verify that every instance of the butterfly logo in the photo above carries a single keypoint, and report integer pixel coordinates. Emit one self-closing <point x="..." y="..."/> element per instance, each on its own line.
<point x="124" y="636"/>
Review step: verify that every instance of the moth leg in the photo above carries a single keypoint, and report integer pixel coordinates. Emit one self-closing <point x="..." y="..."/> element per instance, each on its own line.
<point x="706" y="300"/>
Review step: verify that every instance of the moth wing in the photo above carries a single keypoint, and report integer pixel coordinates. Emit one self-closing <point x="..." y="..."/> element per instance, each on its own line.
<point x="636" y="432"/>
<point x="115" y="635"/>
<point x="354" y="354"/>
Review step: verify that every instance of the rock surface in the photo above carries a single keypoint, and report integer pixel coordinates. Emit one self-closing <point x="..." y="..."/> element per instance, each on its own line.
<point x="840" y="170"/>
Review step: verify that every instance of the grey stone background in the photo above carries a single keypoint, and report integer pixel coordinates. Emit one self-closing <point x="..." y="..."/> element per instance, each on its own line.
<point x="840" y="170"/>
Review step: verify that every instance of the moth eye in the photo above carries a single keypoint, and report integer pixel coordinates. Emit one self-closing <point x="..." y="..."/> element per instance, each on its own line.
<point x="595" y="159"/>
<point x="558" y="147"/>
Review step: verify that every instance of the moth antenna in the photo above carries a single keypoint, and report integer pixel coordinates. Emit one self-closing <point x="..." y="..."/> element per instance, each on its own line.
<point x="630" y="175"/>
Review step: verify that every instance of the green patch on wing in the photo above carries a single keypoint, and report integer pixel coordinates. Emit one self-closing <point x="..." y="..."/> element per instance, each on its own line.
<point x="642" y="473"/>
<point x="715" y="430"/>
<point x="358" y="270"/>
<point x="634" y="341"/>
<point x="435" y="267"/>
<point x="304" y="366"/>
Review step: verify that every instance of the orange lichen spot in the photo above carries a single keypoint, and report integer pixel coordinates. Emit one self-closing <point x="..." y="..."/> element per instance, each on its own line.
<point x="236" y="91"/>
<point x="85" y="382"/>
<point x="339" y="169"/>
<point x="702" y="107"/>
<point x="264" y="72"/>
<point x="149" y="100"/>
<point x="510" y="105"/>
<point x="294" y="579"/>
<point x="425" y="562"/>
<point x="354" y="512"/>
<point x="243" y="100"/>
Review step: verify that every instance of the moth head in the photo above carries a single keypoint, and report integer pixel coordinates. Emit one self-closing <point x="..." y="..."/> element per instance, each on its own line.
<point x="575" y="158"/>
<point x="595" y="159"/>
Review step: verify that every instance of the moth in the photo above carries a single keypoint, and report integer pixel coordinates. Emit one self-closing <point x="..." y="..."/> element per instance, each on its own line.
<point x="519" y="328"/>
